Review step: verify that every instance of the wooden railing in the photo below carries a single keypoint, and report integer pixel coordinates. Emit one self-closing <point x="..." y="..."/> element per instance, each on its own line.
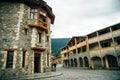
<point x="105" y="36"/>
<point x="116" y="33"/>
<point x="92" y="40"/>
<point x="42" y="23"/>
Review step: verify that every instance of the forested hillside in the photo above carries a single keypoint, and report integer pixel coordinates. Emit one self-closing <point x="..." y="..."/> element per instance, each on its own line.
<point x="58" y="43"/>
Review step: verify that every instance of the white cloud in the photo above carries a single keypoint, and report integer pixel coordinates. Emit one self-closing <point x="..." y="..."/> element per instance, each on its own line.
<point x="80" y="17"/>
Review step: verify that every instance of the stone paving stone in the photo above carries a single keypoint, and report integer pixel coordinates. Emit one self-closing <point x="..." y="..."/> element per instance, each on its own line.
<point x="78" y="74"/>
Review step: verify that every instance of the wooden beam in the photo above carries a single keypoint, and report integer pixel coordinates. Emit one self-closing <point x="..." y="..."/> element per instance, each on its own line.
<point x="39" y="49"/>
<point x="10" y="49"/>
<point x="39" y="26"/>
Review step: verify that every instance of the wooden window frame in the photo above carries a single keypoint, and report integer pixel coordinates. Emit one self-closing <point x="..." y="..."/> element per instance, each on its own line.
<point x="34" y="14"/>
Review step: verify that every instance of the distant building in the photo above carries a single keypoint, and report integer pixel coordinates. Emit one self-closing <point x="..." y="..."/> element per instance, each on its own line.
<point x="100" y="49"/>
<point x="25" y="43"/>
<point x="57" y="60"/>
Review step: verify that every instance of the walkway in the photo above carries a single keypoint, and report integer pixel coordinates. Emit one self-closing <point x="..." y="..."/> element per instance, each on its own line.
<point x="78" y="74"/>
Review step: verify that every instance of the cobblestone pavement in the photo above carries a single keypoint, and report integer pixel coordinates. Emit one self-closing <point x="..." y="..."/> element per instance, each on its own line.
<point x="79" y="74"/>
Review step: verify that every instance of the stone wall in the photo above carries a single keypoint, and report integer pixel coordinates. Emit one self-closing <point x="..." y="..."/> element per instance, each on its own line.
<point x="13" y="21"/>
<point x="8" y="15"/>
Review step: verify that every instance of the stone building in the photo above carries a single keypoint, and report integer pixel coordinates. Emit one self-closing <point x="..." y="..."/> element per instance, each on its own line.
<point x="25" y="43"/>
<point x="100" y="49"/>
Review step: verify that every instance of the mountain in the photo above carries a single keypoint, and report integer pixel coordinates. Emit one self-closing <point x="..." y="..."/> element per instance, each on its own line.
<point x="57" y="44"/>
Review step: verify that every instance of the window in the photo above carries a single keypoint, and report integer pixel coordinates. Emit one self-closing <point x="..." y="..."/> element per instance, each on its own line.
<point x="43" y="18"/>
<point x="118" y="41"/>
<point x="48" y="59"/>
<point x="23" y="59"/>
<point x="94" y="46"/>
<point x="39" y="37"/>
<point x="79" y="50"/>
<point x="26" y="31"/>
<point x="65" y="54"/>
<point x="33" y="13"/>
<point x="84" y="49"/>
<point x="47" y="38"/>
<point x="92" y="35"/>
<point x="9" y="63"/>
<point x="42" y="13"/>
<point x="104" y="31"/>
<point x="116" y="27"/>
<point x="105" y="44"/>
<point x="74" y="51"/>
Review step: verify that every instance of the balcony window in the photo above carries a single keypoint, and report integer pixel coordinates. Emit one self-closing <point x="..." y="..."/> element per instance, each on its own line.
<point x="92" y="35"/>
<point x="104" y="31"/>
<point x="117" y="40"/>
<point x="9" y="63"/>
<point x="116" y="27"/>
<point x="106" y="44"/>
<point x="65" y="55"/>
<point x="79" y="50"/>
<point x="93" y="46"/>
<point x="73" y="43"/>
<point x="84" y="49"/>
<point x="74" y="51"/>
<point x="33" y="13"/>
<point x="43" y="16"/>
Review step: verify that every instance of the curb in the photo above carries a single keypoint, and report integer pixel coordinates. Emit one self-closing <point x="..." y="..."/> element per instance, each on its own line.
<point x="35" y="76"/>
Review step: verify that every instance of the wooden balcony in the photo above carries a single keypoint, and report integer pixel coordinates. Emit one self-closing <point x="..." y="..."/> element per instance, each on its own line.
<point x="105" y="36"/>
<point x="116" y="33"/>
<point x="92" y="40"/>
<point x="72" y="48"/>
<point x="39" y="24"/>
<point x="81" y="44"/>
<point x="65" y="51"/>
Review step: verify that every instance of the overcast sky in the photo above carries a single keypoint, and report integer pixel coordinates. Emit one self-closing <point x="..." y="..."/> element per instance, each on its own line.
<point x="81" y="17"/>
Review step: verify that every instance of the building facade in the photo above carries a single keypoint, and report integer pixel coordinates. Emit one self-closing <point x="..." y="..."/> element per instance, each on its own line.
<point x="100" y="49"/>
<point x="25" y="43"/>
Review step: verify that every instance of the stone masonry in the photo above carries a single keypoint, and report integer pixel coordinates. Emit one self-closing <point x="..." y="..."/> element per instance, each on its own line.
<point x="18" y="37"/>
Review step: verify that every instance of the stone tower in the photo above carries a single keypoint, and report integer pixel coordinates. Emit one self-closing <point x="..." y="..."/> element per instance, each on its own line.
<point x="25" y="44"/>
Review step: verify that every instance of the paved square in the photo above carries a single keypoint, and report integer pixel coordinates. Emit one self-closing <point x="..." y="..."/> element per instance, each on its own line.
<point x="79" y="74"/>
